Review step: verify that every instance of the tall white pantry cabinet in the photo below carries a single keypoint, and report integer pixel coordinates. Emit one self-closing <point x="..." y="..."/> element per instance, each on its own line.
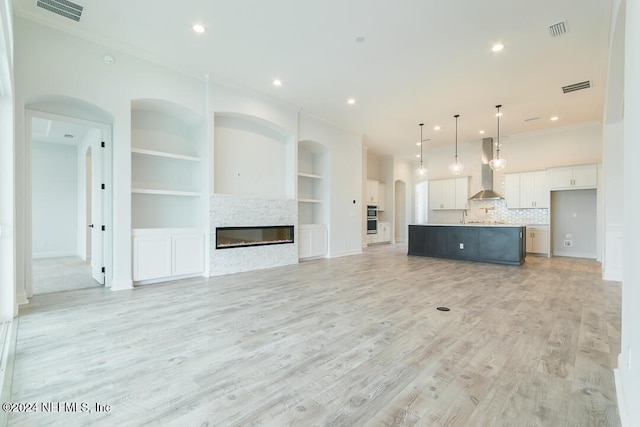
<point x="168" y="192"/>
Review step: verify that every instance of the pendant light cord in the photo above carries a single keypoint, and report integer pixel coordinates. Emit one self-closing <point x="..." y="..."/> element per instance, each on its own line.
<point x="498" y="143"/>
<point x="456" y="116"/>
<point x="421" y="124"/>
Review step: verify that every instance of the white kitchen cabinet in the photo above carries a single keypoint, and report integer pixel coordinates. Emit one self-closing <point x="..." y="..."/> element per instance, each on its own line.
<point x="382" y="196"/>
<point x="526" y="190"/>
<point x="537" y="239"/>
<point x="372" y="192"/>
<point x="450" y="193"/>
<point x="161" y="254"/>
<point x="312" y="240"/>
<point x="372" y="238"/>
<point x="384" y="231"/>
<point x="574" y="177"/>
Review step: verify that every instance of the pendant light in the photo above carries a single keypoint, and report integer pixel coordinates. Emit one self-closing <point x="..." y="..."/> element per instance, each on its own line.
<point x="498" y="164"/>
<point x="456" y="167"/>
<point x="421" y="170"/>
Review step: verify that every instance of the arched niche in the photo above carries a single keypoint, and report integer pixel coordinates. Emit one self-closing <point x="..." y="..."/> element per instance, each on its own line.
<point x="252" y="157"/>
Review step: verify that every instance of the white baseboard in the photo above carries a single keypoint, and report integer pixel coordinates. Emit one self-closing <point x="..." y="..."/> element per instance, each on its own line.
<point x="121" y="285"/>
<point x="344" y="253"/>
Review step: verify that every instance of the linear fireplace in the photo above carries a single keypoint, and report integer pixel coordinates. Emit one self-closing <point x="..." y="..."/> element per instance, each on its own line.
<point x="235" y="237"/>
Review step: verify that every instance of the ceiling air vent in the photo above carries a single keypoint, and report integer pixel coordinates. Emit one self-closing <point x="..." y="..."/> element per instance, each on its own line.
<point x="63" y="8"/>
<point x="576" y="86"/>
<point x="558" y="29"/>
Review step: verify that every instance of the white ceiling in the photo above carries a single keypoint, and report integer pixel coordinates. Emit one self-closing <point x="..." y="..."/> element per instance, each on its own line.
<point x="420" y="61"/>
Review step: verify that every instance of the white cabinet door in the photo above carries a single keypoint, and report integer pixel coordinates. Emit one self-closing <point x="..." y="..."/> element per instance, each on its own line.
<point x="526" y="190"/>
<point x="372" y="192"/>
<point x="462" y="192"/>
<point x="319" y="242"/>
<point x="382" y="196"/>
<point x="538" y="239"/>
<point x="574" y="177"/>
<point x="435" y="195"/>
<point x="151" y="257"/>
<point x="512" y="190"/>
<point x="585" y="176"/>
<point x="448" y="194"/>
<point x="188" y="254"/>
<point x="312" y="240"/>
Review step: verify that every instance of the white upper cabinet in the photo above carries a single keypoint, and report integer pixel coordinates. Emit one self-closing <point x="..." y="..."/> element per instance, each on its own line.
<point x="526" y="190"/>
<point x="574" y="177"/>
<point x="382" y="196"/>
<point x="372" y="192"/>
<point x="450" y="193"/>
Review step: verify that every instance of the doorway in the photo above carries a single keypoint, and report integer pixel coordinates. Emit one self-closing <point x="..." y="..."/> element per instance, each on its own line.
<point x="400" y="209"/>
<point x="66" y="204"/>
<point x="573" y="223"/>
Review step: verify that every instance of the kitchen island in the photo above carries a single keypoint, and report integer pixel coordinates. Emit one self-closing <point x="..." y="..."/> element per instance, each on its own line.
<point x="495" y="243"/>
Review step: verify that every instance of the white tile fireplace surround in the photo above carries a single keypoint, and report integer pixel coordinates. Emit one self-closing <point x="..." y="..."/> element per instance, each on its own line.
<point x="240" y="211"/>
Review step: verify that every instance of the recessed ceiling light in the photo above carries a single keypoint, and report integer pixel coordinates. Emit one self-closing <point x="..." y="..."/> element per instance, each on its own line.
<point x="108" y="59"/>
<point x="498" y="114"/>
<point x="418" y="155"/>
<point x="351" y="101"/>
<point x="497" y="47"/>
<point x="360" y="39"/>
<point x="554" y="118"/>
<point x="418" y="143"/>
<point x="436" y="128"/>
<point x="481" y="132"/>
<point x="277" y="82"/>
<point x="68" y="135"/>
<point x="199" y="28"/>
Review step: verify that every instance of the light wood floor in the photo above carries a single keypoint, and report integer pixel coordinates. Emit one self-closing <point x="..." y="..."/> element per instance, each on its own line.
<point x="60" y="274"/>
<point x="353" y="341"/>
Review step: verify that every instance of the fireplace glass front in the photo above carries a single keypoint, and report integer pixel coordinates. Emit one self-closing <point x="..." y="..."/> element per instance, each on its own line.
<point x="234" y="237"/>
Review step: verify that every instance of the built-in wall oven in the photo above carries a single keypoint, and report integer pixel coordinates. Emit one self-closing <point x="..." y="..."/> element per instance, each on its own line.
<point x="372" y="219"/>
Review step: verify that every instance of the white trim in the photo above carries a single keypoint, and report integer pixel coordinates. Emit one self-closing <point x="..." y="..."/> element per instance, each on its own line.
<point x="345" y="253"/>
<point x="121" y="285"/>
<point x="622" y="407"/>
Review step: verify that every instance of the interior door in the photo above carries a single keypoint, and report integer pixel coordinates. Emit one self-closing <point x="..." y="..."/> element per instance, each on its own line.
<point x="96" y="223"/>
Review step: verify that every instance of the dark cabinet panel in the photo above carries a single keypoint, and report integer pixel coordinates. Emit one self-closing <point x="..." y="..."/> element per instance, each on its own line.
<point x="502" y="245"/>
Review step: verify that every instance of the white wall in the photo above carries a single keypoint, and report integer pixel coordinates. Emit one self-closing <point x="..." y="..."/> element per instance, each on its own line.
<point x="345" y="183"/>
<point x="7" y="248"/>
<point x="629" y="360"/>
<point x="43" y="58"/>
<point x="251" y="158"/>
<point x="54" y="190"/>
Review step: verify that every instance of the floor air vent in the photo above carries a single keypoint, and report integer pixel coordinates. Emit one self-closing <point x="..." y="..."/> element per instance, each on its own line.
<point x="576" y="86"/>
<point x="558" y="28"/>
<point x="63" y="8"/>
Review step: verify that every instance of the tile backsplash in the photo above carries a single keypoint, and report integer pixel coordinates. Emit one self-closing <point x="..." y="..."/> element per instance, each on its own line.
<point x="490" y="211"/>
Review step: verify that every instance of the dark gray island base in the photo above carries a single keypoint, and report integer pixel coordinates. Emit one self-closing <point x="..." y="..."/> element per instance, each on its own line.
<point x="501" y="244"/>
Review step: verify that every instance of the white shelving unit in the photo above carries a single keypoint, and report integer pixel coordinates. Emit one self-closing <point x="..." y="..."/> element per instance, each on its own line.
<point x="169" y="209"/>
<point x="313" y="189"/>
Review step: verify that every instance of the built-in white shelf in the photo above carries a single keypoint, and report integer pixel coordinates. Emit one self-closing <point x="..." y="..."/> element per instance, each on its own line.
<point x="309" y="201"/>
<point x="164" y="154"/>
<point x="165" y="192"/>
<point x="309" y="175"/>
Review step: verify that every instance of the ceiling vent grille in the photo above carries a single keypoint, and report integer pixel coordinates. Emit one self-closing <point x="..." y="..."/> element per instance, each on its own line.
<point x="63" y="8"/>
<point x="576" y="86"/>
<point x="558" y="29"/>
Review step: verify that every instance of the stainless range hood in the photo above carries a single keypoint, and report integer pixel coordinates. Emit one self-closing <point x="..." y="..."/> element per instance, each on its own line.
<point x="487" y="192"/>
